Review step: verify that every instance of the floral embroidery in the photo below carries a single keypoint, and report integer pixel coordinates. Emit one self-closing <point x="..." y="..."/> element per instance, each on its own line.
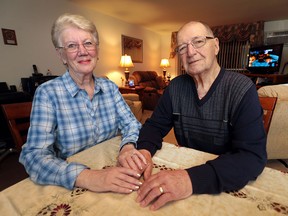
<point x="263" y="204"/>
<point x="47" y="209"/>
<point x="161" y="167"/>
<point x="106" y="167"/>
<point x="54" y="210"/>
<point x="62" y="209"/>
<point x="78" y="191"/>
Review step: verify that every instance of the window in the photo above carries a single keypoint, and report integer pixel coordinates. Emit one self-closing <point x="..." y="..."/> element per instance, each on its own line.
<point x="233" y="55"/>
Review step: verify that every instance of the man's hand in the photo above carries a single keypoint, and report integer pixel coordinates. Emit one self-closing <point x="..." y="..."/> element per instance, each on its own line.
<point x="164" y="187"/>
<point x="115" y="179"/>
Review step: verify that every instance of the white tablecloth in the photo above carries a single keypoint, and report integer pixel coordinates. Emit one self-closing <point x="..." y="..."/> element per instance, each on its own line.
<point x="268" y="195"/>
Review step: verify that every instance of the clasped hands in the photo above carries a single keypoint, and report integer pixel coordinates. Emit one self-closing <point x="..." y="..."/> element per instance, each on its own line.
<point x="157" y="189"/>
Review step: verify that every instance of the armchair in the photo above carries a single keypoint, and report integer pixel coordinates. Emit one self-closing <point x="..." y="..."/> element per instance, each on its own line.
<point x="154" y="87"/>
<point x="277" y="145"/>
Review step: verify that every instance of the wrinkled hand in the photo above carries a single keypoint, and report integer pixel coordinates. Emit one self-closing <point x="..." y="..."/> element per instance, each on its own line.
<point x="115" y="179"/>
<point x="149" y="163"/>
<point x="163" y="187"/>
<point x="130" y="157"/>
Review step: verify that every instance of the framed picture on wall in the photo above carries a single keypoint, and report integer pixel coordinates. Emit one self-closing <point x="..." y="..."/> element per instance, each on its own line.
<point x="133" y="47"/>
<point x="9" y="36"/>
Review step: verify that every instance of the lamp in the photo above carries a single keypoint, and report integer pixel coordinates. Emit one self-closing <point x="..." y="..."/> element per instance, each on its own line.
<point x="164" y="64"/>
<point x="126" y="62"/>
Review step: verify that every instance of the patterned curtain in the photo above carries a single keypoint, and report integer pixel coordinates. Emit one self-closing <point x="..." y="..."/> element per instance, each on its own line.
<point x="252" y="32"/>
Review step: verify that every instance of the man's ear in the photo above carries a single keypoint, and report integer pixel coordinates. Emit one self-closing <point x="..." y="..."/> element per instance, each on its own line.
<point x="216" y="46"/>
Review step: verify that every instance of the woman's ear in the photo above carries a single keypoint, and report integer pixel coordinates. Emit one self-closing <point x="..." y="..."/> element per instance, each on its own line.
<point x="60" y="56"/>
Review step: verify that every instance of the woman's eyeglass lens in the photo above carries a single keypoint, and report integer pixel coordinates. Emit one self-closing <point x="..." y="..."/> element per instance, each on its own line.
<point x="89" y="46"/>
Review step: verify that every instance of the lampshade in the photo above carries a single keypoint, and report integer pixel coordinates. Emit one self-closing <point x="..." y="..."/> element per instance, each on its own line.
<point x="126" y="62"/>
<point x="164" y="63"/>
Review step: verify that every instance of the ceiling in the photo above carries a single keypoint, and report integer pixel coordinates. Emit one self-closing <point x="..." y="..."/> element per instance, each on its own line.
<point x="166" y="16"/>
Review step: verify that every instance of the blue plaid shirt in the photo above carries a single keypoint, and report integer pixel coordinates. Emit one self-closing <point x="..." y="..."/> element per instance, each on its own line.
<point x="65" y="121"/>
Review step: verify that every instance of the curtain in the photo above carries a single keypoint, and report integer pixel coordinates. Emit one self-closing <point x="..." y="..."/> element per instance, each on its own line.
<point x="252" y="32"/>
<point x="173" y="44"/>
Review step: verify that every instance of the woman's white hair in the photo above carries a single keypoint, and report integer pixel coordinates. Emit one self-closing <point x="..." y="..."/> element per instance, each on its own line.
<point x="72" y="20"/>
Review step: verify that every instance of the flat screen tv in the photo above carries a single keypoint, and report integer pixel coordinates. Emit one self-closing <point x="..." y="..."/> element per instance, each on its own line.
<point x="265" y="59"/>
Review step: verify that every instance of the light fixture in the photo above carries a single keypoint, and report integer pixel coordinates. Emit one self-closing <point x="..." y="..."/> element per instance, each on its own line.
<point x="164" y="64"/>
<point x="126" y="62"/>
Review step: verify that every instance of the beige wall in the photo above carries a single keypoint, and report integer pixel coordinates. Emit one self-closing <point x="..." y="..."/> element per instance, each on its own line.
<point x="32" y="20"/>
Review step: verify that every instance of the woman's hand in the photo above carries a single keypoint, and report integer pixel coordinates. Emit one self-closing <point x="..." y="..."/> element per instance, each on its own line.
<point x="164" y="187"/>
<point x="115" y="179"/>
<point x="130" y="157"/>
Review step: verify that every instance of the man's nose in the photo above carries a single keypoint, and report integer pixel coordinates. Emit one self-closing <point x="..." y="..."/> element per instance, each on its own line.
<point x="190" y="49"/>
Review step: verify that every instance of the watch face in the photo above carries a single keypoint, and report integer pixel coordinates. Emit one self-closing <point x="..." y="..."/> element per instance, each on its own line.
<point x="131" y="83"/>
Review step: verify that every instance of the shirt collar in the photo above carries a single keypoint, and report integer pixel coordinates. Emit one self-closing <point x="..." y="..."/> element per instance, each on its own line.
<point x="73" y="88"/>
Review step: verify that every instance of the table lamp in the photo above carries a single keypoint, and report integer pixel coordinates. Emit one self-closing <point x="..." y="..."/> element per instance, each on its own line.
<point x="126" y="62"/>
<point x="164" y="64"/>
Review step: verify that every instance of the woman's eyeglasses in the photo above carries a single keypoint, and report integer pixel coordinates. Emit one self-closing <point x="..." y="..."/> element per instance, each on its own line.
<point x="71" y="48"/>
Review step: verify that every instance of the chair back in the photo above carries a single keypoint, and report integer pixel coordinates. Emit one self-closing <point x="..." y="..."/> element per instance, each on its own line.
<point x="268" y="106"/>
<point x="18" y="119"/>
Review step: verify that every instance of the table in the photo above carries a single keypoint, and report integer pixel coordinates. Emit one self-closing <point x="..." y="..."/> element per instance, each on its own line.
<point x="270" y="79"/>
<point x="265" y="196"/>
<point x="137" y="90"/>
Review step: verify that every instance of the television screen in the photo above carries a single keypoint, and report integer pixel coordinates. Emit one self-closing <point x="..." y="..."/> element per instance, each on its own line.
<point x="265" y="59"/>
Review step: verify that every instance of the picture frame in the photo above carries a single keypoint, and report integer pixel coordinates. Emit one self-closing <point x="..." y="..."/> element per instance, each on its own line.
<point x="9" y="36"/>
<point x="133" y="47"/>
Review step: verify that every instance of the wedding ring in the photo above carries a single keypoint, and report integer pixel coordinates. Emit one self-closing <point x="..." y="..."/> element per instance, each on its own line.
<point x="161" y="190"/>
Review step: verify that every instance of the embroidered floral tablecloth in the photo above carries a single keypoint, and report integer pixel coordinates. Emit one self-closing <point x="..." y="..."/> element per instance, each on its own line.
<point x="268" y="195"/>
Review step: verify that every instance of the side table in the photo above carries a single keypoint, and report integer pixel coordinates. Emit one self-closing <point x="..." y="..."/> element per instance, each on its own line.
<point x="137" y="89"/>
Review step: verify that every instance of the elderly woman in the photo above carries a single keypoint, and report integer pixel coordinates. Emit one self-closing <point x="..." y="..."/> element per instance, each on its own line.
<point x="76" y="111"/>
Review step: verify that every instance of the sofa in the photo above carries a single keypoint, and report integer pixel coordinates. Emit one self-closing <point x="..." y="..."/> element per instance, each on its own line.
<point x="277" y="138"/>
<point x="154" y="87"/>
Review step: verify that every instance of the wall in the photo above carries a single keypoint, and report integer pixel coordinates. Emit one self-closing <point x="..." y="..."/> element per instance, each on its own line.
<point x="32" y="21"/>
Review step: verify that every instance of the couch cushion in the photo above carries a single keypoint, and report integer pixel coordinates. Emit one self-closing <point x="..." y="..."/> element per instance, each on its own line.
<point x="131" y="96"/>
<point x="279" y="91"/>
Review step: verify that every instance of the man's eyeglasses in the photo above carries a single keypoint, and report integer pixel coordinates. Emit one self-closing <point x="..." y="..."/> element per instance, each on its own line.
<point x="89" y="46"/>
<point x="196" y="42"/>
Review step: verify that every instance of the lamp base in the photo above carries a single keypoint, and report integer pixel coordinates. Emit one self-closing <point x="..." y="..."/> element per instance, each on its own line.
<point x="127" y="78"/>
<point x="164" y="74"/>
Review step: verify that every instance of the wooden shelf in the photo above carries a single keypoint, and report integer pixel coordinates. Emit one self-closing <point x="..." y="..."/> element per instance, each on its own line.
<point x="270" y="79"/>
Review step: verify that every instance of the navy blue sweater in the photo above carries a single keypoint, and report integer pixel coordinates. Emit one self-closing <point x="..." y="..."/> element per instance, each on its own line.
<point x="227" y="122"/>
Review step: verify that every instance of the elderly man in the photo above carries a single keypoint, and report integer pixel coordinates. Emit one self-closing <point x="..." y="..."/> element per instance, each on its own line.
<point x="211" y="110"/>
